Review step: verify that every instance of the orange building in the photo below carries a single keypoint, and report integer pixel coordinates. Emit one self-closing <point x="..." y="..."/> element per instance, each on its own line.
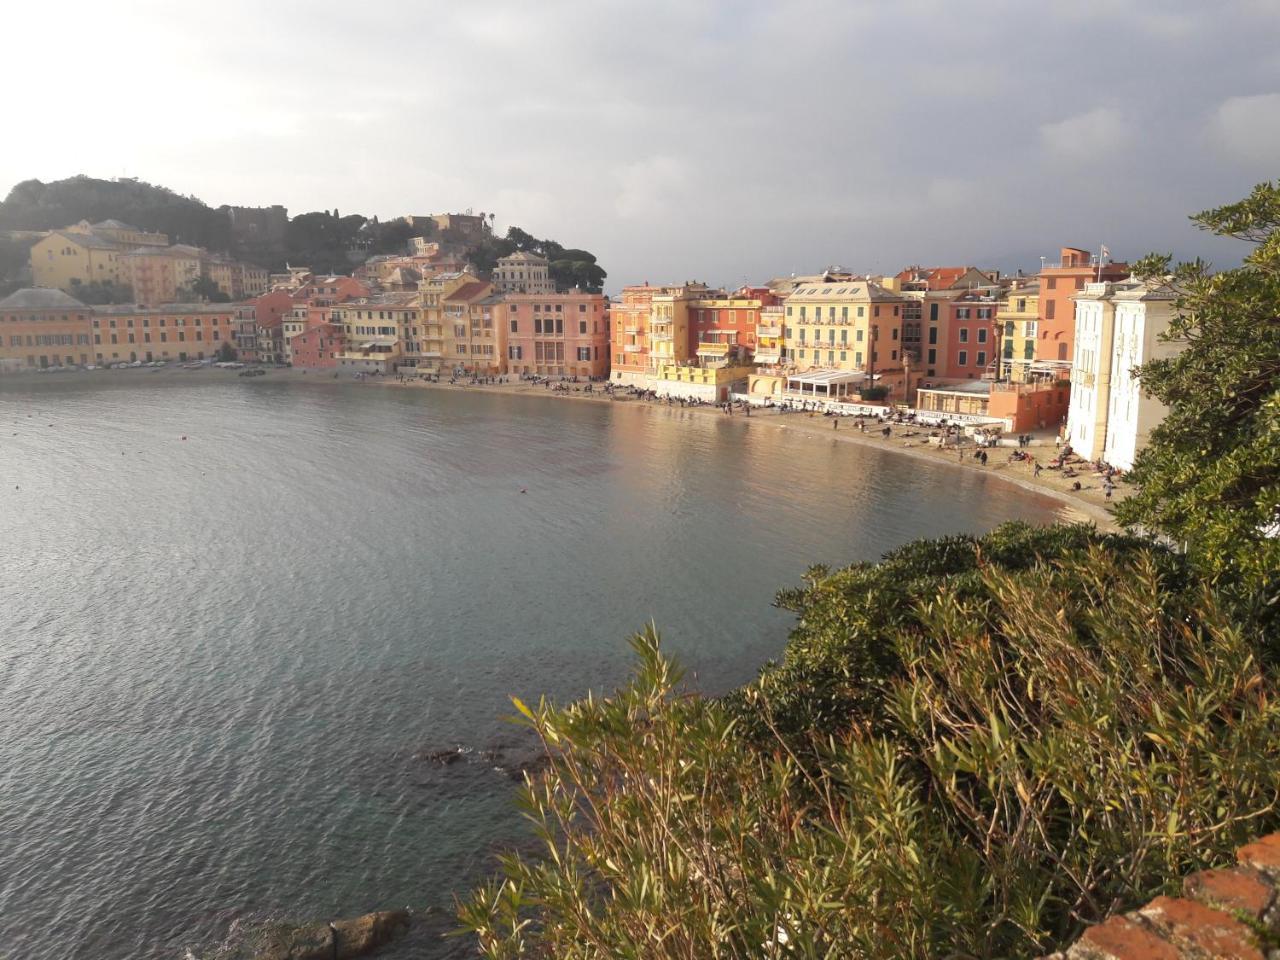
<point x="650" y="326"/>
<point x="161" y="274"/>
<point x="556" y="334"/>
<point x="41" y="328"/>
<point x="174" y="331"/>
<point x="1059" y="282"/>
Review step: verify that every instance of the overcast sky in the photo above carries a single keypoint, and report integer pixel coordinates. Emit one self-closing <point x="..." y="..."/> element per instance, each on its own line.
<point x="677" y="139"/>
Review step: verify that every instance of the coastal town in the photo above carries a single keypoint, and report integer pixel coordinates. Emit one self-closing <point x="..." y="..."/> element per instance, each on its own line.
<point x="986" y="355"/>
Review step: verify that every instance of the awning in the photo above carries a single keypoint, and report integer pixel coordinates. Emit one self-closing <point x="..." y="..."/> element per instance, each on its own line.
<point x="765" y="357"/>
<point x="829" y="378"/>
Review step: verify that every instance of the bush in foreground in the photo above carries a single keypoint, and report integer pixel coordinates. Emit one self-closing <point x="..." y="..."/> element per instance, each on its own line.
<point x="972" y="749"/>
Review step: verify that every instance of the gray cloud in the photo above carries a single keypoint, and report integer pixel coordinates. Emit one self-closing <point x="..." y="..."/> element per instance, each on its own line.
<point x="685" y="138"/>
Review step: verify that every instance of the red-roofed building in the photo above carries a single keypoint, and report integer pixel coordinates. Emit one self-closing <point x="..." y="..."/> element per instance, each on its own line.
<point x="943" y="278"/>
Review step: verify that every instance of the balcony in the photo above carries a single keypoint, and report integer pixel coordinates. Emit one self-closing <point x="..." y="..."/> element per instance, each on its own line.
<point x="632" y="348"/>
<point x="713" y="349"/>
<point x="769" y="330"/>
<point x="633" y="328"/>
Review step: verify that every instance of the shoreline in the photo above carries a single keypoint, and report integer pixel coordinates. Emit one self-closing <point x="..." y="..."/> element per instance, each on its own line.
<point x="1093" y="508"/>
<point x="1089" y="502"/>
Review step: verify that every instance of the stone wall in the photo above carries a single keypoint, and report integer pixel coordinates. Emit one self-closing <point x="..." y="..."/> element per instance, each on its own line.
<point x="1229" y="912"/>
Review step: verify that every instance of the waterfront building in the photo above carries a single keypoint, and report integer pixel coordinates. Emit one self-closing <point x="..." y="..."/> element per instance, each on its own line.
<point x="768" y="335"/>
<point x="432" y="293"/>
<point x="724" y="327"/>
<point x="523" y="272"/>
<point x="1060" y="280"/>
<point x="245" y="330"/>
<point x="269" y="311"/>
<point x="318" y="347"/>
<point x="961" y="401"/>
<point x="41" y="328"/>
<point x="850" y="325"/>
<point x="651" y="327"/>
<point x="560" y="334"/>
<point x="382" y="332"/>
<point x="1019" y="314"/>
<point x="1118" y="327"/>
<point x="468" y="349"/>
<point x="971" y="329"/>
<point x="124" y="333"/>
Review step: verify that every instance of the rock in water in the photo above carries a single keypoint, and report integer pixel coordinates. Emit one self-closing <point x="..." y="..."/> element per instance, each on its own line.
<point x="365" y="934"/>
<point x="339" y="940"/>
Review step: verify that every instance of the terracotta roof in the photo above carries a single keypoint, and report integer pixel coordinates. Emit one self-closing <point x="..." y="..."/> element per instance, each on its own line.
<point x="470" y="291"/>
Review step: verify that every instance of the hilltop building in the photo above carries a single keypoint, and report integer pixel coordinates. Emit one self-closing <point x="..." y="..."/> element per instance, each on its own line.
<point x="523" y="272"/>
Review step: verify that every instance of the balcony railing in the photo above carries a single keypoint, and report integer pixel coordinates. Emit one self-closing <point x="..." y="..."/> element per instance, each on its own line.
<point x="774" y="330"/>
<point x="632" y="348"/>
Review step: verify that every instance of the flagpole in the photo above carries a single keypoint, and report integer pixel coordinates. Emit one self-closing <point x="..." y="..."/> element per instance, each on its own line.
<point x="1101" y="247"/>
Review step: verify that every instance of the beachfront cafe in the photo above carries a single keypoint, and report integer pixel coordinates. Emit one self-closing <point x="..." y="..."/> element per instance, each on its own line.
<point x="842" y="386"/>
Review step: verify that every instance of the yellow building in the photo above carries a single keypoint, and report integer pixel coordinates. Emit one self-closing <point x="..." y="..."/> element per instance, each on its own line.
<point x="472" y="343"/>
<point x="669" y="337"/>
<point x="844" y="325"/>
<point x="65" y="259"/>
<point x="121" y="233"/>
<point x="383" y="332"/>
<point x="1019" y="312"/>
<point x="769" y="342"/>
<point x="710" y="384"/>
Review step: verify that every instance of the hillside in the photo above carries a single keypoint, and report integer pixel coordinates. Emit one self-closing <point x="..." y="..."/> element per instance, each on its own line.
<point x="33" y="205"/>
<point x="323" y="240"/>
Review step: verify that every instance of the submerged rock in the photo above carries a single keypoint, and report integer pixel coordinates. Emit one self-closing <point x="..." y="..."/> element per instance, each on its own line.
<point x="338" y="940"/>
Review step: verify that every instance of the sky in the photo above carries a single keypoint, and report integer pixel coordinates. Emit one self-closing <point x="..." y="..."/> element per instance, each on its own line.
<point x="678" y="139"/>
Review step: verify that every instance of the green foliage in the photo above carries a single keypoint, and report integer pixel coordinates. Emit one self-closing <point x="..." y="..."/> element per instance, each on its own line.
<point x="322" y="240"/>
<point x="15" y="259"/>
<point x="32" y="205"/>
<point x="1210" y="478"/>
<point x="203" y="288"/>
<point x="1022" y="734"/>
<point x="101" y="291"/>
<point x="227" y="353"/>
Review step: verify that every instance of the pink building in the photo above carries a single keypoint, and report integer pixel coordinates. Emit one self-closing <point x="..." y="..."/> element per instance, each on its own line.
<point x="556" y="334"/>
<point x="318" y="347"/>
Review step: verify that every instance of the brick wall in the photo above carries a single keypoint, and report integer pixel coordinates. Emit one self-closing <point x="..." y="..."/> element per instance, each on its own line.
<point x="1230" y="912"/>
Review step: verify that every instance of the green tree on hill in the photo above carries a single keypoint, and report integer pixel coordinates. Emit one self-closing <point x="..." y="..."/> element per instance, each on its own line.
<point x="1210" y="477"/>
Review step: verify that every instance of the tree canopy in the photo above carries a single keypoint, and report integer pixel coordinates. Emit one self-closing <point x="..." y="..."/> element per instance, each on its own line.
<point x="1210" y="477"/>
<point x="33" y="205"/>
<point x="972" y="749"/>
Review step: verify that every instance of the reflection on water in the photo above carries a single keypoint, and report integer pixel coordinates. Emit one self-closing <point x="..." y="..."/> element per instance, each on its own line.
<point x="227" y="660"/>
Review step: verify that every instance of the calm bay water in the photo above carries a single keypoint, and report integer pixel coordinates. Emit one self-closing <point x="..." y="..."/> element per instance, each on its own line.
<point x="225" y="661"/>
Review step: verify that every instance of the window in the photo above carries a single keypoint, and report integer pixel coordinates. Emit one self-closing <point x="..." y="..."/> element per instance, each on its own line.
<point x="1049" y="309"/>
<point x="858" y="336"/>
<point x="982" y="334"/>
<point x="514" y="324"/>
<point x="844" y="313"/>
<point x="857" y="357"/>
<point x="582" y="328"/>
<point x="933" y="312"/>
<point x="860" y="311"/>
<point x="964" y="334"/>
<point x="895" y="331"/>
<point x="982" y="358"/>
<point x="933" y="334"/>
<point x="933" y="356"/>
<point x="963" y="358"/>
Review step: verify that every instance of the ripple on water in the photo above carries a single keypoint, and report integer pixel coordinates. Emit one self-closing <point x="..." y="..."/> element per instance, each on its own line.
<point x="225" y="660"/>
